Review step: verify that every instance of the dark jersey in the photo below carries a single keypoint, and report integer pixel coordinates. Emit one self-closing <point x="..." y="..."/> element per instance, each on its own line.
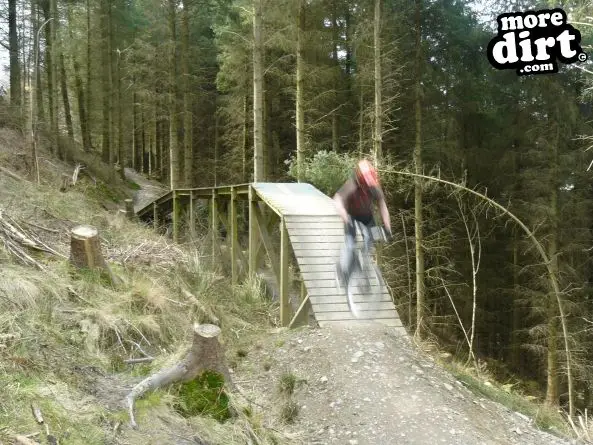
<point x="358" y="200"/>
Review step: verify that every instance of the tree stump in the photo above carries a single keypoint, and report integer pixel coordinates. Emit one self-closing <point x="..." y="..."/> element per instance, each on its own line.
<point x="66" y="182"/>
<point x="85" y="251"/>
<point x="205" y="354"/>
<point x="85" y="248"/>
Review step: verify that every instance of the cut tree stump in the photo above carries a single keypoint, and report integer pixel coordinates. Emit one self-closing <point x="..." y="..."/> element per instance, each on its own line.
<point x="85" y="250"/>
<point x="66" y="182"/>
<point x="205" y="354"/>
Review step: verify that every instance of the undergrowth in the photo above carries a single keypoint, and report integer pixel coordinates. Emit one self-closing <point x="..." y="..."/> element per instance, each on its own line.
<point x="544" y="417"/>
<point x="62" y="331"/>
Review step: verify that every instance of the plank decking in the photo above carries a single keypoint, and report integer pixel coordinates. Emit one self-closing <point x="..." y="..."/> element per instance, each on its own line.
<point x="316" y="234"/>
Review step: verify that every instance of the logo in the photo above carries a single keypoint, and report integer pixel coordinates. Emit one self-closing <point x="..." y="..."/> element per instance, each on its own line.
<point x="531" y="42"/>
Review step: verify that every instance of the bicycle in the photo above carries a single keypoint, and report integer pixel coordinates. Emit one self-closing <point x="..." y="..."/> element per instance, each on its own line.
<point x="372" y="279"/>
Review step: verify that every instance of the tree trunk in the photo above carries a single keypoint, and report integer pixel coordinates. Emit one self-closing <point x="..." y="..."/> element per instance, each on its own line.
<point x="216" y="146"/>
<point x="552" y="391"/>
<point x="300" y="112"/>
<point x="105" y="73"/>
<point x="53" y="25"/>
<point x="113" y="147"/>
<point x="258" y="94"/>
<point x="15" y="66"/>
<point x="187" y="111"/>
<point x="67" y="113"/>
<point x="89" y="90"/>
<point x="418" y="222"/>
<point x="120" y="130"/>
<point x="378" y="133"/>
<point x="206" y="353"/>
<point x="38" y="92"/>
<point x="80" y="95"/>
<point x="336" y="83"/>
<point x="45" y="5"/>
<point x="361" y="123"/>
<point x="244" y="144"/>
<point x="173" y="140"/>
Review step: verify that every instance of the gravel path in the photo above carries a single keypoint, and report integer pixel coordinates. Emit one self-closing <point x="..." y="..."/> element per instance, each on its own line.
<point x="365" y="385"/>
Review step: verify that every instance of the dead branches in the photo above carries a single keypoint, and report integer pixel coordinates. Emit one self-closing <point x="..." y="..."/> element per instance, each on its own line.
<point x="16" y="239"/>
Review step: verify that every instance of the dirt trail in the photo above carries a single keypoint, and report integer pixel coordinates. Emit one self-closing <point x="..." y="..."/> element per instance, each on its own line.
<point x="149" y="189"/>
<point x="367" y="385"/>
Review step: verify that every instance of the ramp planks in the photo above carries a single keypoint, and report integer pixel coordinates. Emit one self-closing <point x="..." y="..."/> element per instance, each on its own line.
<point x="316" y="233"/>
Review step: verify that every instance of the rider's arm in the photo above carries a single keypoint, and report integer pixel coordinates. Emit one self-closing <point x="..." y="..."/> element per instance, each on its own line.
<point x="380" y="197"/>
<point x="341" y="196"/>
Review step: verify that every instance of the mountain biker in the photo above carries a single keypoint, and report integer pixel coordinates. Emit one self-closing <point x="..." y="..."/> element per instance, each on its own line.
<point x="354" y="201"/>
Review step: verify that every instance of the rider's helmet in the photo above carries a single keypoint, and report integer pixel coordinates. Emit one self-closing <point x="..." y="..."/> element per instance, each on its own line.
<point x="366" y="174"/>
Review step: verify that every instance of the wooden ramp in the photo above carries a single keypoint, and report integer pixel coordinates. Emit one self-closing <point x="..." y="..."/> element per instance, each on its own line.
<point x="316" y="233"/>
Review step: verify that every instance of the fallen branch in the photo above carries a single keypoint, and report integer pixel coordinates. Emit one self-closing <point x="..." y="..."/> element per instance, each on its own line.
<point x="133" y="361"/>
<point x="206" y="312"/>
<point x="11" y="174"/>
<point x="206" y="353"/>
<point x="77" y="170"/>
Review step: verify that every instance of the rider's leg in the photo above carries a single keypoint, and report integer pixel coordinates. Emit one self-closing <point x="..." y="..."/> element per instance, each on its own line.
<point x="347" y="253"/>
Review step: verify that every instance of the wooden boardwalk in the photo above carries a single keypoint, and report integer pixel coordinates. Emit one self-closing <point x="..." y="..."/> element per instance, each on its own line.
<point x="316" y="234"/>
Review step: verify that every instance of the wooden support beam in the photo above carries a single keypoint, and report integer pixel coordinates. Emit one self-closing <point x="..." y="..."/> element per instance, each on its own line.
<point x="175" y="217"/>
<point x="155" y="216"/>
<point x="302" y="314"/>
<point x="192" y="216"/>
<point x="283" y="281"/>
<point x="253" y="233"/>
<point x="265" y="237"/>
<point x="214" y="223"/>
<point x="270" y="219"/>
<point x="233" y="235"/>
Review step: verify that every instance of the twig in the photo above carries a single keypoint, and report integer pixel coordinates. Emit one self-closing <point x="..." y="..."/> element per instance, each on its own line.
<point x="42" y="228"/>
<point x="139" y="348"/>
<point x="132" y="361"/>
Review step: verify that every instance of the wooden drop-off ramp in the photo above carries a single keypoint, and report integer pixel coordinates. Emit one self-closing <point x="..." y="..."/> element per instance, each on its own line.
<point x="311" y="235"/>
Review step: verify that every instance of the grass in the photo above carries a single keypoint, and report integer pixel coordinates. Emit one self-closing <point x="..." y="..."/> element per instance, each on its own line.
<point x="544" y="417"/>
<point x="63" y="321"/>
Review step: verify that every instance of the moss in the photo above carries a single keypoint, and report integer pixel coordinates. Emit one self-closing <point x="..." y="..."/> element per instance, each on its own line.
<point x="204" y="396"/>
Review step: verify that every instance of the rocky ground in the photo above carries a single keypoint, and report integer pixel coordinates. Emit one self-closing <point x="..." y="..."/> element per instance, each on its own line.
<point x="363" y="384"/>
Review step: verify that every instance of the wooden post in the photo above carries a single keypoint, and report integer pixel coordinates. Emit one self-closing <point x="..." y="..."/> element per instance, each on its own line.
<point x="233" y="234"/>
<point x="175" y="217"/>
<point x="214" y="222"/>
<point x="253" y="235"/>
<point x="130" y="208"/>
<point x="155" y="216"/>
<point x="192" y="216"/>
<point x="284" y="303"/>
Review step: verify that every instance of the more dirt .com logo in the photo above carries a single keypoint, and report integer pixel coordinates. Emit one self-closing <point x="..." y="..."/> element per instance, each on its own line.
<point x="532" y="41"/>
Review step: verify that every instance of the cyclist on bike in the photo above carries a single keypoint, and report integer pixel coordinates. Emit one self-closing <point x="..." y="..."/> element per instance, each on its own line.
<point x="354" y="201"/>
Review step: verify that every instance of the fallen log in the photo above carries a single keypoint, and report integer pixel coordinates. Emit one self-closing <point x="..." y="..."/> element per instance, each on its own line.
<point x="205" y="354"/>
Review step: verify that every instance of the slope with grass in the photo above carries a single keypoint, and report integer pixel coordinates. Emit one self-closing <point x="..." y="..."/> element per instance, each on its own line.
<point x="65" y="335"/>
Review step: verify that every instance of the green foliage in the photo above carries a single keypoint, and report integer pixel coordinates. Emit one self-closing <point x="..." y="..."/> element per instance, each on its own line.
<point x="326" y="170"/>
<point x="204" y="396"/>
